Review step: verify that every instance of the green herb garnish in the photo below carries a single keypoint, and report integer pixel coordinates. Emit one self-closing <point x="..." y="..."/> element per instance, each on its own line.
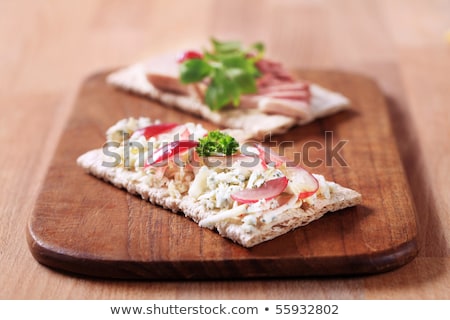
<point x="228" y="69"/>
<point x="217" y="143"/>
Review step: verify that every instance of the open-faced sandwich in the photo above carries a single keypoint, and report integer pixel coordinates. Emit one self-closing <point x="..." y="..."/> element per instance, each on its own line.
<point x="232" y="87"/>
<point x="245" y="191"/>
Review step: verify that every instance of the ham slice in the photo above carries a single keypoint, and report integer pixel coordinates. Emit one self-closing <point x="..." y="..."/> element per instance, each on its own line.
<point x="285" y="87"/>
<point x="163" y="75"/>
<point x="258" y="114"/>
<point x="278" y="92"/>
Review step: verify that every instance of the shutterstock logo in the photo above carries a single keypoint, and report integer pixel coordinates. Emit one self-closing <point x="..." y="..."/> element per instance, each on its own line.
<point x="311" y="154"/>
<point x="330" y="148"/>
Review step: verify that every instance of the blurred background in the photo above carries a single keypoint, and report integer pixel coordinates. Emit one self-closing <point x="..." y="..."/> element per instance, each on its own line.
<point x="49" y="47"/>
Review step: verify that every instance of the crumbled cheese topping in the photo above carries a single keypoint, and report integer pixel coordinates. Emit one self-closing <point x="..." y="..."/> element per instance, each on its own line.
<point x="126" y="127"/>
<point x="263" y="205"/>
<point x="219" y="187"/>
<point x="210" y="186"/>
<point x="324" y="191"/>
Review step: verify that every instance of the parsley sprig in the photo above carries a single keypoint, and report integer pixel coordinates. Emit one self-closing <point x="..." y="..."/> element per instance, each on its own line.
<point x="217" y="143"/>
<point x="228" y="69"/>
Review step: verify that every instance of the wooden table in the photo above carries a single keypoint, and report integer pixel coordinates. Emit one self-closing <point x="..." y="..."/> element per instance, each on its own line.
<point x="48" y="48"/>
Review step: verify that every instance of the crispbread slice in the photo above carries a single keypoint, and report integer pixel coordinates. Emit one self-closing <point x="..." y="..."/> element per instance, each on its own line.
<point x="284" y="222"/>
<point x="255" y="123"/>
<point x="291" y="219"/>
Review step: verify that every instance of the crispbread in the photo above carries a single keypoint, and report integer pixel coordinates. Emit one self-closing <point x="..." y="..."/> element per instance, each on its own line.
<point x="285" y="221"/>
<point x="292" y="218"/>
<point x="254" y="122"/>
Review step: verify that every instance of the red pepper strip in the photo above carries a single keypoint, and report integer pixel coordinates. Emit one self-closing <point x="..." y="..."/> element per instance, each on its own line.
<point x="169" y="150"/>
<point x="188" y="55"/>
<point x="154" y="130"/>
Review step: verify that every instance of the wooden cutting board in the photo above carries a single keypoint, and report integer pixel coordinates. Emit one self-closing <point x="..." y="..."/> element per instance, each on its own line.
<point x="86" y="226"/>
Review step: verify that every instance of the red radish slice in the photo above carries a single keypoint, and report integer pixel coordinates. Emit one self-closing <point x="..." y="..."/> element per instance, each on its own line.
<point x="268" y="156"/>
<point x="269" y="190"/>
<point x="154" y="130"/>
<point x="169" y="150"/>
<point x="302" y="182"/>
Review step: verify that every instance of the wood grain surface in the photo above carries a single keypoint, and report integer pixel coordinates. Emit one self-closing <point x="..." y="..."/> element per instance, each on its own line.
<point x="89" y="227"/>
<point x="48" y="49"/>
